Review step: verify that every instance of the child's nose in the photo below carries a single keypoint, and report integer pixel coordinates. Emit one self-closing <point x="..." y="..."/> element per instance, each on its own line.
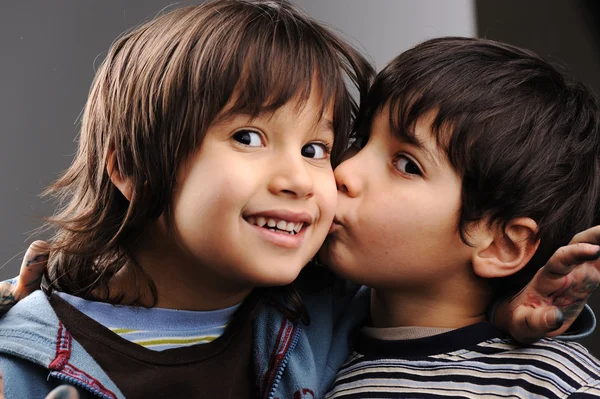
<point x="292" y="177"/>
<point x="347" y="177"/>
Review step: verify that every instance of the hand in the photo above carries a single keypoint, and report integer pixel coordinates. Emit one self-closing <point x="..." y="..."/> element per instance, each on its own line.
<point x="30" y="276"/>
<point x="555" y="296"/>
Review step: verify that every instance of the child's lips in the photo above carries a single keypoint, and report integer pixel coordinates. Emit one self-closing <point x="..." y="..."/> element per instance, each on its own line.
<point x="281" y="239"/>
<point x="335" y="225"/>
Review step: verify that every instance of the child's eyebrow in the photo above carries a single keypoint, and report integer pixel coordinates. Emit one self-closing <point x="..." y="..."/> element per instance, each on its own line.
<point x="323" y="125"/>
<point x="326" y="126"/>
<point x="414" y="141"/>
<point x="229" y="116"/>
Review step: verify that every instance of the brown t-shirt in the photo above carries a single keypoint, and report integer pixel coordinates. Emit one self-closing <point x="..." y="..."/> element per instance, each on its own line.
<point x="219" y="369"/>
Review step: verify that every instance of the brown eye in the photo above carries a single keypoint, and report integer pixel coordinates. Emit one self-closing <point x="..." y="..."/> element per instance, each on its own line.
<point x="248" y="137"/>
<point x="315" y="151"/>
<point x="407" y="166"/>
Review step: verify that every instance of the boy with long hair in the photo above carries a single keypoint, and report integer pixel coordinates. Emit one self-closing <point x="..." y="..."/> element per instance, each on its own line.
<point x="203" y="174"/>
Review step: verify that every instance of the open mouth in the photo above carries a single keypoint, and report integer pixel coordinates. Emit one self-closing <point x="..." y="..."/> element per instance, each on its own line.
<point x="276" y="225"/>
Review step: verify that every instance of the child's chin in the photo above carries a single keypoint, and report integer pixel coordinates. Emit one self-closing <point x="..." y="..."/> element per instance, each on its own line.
<point x="280" y="279"/>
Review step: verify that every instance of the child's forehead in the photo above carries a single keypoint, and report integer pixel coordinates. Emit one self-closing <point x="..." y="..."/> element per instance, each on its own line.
<point x="414" y="129"/>
<point x="421" y="131"/>
<point x="301" y="104"/>
<point x="310" y="112"/>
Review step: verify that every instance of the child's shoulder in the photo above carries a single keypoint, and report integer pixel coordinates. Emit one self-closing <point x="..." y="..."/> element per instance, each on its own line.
<point x="28" y="343"/>
<point x="542" y="349"/>
<point x="495" y="366"/>
<point x="32" y="318"/>
<point x="547" y="352"/>
<point x="23" y="379"/>
<point x="564" y="364"/>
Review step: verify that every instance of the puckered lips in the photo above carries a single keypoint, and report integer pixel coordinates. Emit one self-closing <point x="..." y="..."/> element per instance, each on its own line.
<point x="280" y="227"/>
<point x="336" y="225"/>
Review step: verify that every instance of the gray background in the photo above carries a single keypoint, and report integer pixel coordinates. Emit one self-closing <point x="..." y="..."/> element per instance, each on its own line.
<point x="49" y="51"/>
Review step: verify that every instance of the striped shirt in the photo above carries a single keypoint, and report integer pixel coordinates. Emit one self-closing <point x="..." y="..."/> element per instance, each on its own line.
<point x="471" y="362"/>
<point x="156" y="328"/>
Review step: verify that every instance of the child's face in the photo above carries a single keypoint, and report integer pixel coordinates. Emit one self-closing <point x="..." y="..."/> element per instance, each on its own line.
<point x="398" y="211"/>
<point x="252" y="182"/>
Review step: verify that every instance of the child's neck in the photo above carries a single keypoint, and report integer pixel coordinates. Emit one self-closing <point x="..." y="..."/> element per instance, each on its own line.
<point x="175" y="290"/>
<point x="452" y="307"/>
<point x="180" y="282"/>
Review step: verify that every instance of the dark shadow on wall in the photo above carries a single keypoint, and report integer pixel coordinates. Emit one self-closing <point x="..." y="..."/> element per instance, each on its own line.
<point x="567" y="32"/>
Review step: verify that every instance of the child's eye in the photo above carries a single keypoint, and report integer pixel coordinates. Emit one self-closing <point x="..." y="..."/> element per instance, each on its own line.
<point x="248" y="137"/>
<point x="315" y="151"/>
<point x="406" y="165"/>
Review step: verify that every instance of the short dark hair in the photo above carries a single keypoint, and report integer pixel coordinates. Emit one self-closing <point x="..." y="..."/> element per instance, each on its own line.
<point x="523" y="136"/>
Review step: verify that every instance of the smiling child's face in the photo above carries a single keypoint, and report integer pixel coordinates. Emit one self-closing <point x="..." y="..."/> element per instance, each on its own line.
<point x="398" y="209"/>
<point x="255" y="203"/>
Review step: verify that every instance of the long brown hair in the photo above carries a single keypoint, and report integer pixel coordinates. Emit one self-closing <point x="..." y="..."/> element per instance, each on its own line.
<point x="151" y="102"/>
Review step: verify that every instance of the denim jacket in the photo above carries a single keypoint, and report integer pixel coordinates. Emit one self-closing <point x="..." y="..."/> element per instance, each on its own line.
<point x="291" y="359"/>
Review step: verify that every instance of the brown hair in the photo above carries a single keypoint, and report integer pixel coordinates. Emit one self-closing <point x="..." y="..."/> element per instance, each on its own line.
<point x="524" y="136"/>
<point x="154" y="97"/>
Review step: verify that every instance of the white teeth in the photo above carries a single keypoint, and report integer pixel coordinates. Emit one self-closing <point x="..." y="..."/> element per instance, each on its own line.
<point x="272" y="224"/>
<point x="281" y="225"/>
<point x="290" y="227"/>
<point x="298" y="227"/>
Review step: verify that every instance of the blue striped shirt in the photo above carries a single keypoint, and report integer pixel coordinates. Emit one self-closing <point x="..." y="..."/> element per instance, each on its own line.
<point x="471" y="362"/>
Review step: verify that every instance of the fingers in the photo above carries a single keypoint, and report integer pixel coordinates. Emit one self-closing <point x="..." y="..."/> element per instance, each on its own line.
<point x="549" y="304"/>
<point x="530" y="324"/>
<point x="567" y="257"/>
<point x="551" y="278"/>
<point x="32" y="269"/>
<point x="63" y="392"/>
<point x="7" y="298"/>
<point x="591" y="236"/>
<point x="30" y="276"/>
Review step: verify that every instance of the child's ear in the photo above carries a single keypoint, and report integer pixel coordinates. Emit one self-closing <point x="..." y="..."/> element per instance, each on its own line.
<point x="502" y="253"/>
<point x="121" y="182"/>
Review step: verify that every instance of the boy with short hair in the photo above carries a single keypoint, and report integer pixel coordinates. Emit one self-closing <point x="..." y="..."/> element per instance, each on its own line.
<point x="477" y="161"/>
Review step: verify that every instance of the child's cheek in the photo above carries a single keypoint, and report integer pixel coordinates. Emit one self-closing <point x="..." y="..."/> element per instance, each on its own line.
<point x="326" y="193"/>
